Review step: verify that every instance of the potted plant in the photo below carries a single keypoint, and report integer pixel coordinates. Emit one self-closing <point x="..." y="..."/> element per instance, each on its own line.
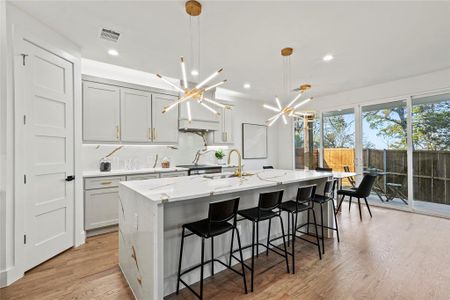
<point x="219" y="154"/>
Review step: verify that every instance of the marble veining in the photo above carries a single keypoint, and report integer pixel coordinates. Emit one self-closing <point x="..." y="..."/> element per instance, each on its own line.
<point x="184" y="188"/>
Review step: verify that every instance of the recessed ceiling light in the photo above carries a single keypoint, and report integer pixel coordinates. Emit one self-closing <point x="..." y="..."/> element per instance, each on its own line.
<point x="194" y="72"/>
<point x="113" y="52"/>
<point x="328" y="57"/>
<point x="247" y="85"/>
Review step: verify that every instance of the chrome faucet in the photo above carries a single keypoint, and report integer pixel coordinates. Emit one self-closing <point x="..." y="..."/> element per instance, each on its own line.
<point x="238" y="171"/>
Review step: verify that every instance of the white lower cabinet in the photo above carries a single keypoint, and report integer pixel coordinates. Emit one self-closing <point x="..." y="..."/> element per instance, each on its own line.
<point x="173" y="174"/>
<point x="101" y="207"/>
<point x="142" y="177"/>
<point x="101" y="198"/>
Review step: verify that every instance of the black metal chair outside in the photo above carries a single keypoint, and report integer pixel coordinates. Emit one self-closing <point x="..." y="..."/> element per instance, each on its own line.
<point x="363" y="191"/>
<point x="350" y="179"/>
<point x="217" y="223"/>
<point x="267" y="209"/>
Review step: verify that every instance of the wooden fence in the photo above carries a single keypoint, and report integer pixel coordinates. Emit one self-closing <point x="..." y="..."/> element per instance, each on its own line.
<point x="431" y="169"/>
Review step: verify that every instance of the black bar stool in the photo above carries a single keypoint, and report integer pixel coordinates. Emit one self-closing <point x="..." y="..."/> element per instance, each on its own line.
<point x="362" y="191"/>
<point x="216" y="224"/>
<point x="267" y="209"/>
<point x="303" y="202"/>
<point x="328" y="196"/>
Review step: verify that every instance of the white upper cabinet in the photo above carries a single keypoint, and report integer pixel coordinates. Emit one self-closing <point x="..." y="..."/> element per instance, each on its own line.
<point x="114" y="113"/>
<point x="225" y="134"/>
<point x="135" y="110"/>
<point x="101" y="112"/>
<point x="165" y="125"/>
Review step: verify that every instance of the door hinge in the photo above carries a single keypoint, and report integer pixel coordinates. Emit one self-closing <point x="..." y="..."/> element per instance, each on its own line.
<point x="24" y="119"/>
<point x="24" y="238"/>
<point x="25" y="179"/>
<point x="23" y="58"/>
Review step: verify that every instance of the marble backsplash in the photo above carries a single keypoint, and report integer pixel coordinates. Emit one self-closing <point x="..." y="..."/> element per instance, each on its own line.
<point x="143" y="156"/>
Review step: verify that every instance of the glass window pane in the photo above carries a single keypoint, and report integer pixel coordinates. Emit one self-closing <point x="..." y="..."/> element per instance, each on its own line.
<point x="299" y="143"/>
<point x="431" y="153"/>
<point x="339" y="141"/>
<point x="384" y="151"/>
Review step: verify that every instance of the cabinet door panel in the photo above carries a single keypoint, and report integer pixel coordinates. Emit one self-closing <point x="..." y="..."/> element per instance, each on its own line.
<point x="228" y="125"/>
<point x="225" y="134"/>
<point x="101" y="116"/>
<point x="173" y="174"/>
<point x="101" y="208"/>
<point x="165" y="125"/>
<point x="135" y="108"/>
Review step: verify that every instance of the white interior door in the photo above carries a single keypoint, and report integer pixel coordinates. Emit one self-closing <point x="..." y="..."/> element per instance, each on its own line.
<point x="46" y="82"/>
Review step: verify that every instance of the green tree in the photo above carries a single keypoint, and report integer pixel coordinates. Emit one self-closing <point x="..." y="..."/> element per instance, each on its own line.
<point x="338" y="132"/>
<point x="431" y="126"/>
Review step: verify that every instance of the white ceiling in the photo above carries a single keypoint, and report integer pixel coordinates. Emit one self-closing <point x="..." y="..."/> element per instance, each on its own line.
<point x="373" y="42"/>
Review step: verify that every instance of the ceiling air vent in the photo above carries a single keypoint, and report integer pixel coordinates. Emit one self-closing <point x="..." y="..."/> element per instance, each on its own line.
<point x="109" y="35"/>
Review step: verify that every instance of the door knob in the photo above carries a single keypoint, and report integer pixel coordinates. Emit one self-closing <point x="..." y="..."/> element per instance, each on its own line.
<point x="70" y="178"/>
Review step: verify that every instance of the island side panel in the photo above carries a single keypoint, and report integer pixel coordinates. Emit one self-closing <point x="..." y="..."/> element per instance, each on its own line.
<point x="141" y="243"/>
<point x="181" y="212"/>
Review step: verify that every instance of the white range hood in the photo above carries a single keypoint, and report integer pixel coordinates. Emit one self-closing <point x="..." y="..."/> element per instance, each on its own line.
<point x="202" y="118"/>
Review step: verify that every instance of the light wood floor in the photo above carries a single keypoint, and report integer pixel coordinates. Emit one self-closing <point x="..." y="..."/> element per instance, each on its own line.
<point x="395" y="255"/>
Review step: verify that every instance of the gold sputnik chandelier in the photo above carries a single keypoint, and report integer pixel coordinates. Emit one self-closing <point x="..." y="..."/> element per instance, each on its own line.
<point x="289" y="110"/>
<point x="196" y="93"/>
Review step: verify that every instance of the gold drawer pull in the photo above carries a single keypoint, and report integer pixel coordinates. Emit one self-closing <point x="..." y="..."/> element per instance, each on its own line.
<point x="149" y="133"/>
<point x="106" y="182"/>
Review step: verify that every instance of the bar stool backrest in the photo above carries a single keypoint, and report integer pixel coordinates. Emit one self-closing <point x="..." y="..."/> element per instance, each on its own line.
<point x="223" y="211"/>
<point x="365" y="187"/>
<point x="306" y="193"/>
<point x="270" y="201"/>
<point x="324" y="169"/>
<point x="329" y="188"/>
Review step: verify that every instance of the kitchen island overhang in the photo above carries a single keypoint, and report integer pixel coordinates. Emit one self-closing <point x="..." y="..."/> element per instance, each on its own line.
<point x="152" y="212"/>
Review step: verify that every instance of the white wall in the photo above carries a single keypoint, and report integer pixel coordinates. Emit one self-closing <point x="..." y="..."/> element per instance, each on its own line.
<point x="14" y="24"/>
<point x="244" y="110"/>
<point x="415" y="85"/>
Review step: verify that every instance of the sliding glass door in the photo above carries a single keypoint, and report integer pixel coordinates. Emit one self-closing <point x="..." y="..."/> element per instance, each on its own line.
<point x="339" y="141"/>
<point x="384" y="138"/>
<point x="406" y="143"/>
<point x="431" y="153"/>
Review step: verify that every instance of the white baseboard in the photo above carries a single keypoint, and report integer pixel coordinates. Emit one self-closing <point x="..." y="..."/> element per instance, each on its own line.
<point x="9" y="276"/>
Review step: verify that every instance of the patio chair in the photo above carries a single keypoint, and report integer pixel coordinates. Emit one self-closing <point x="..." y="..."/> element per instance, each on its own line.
<point x="393" y="191"/>
<point x="350" y="179"/>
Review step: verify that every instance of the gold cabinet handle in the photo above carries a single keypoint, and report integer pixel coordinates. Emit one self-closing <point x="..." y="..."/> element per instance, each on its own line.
<point x="154" y="133"/>
<point x="149" y="133"/>
<point x="117" y="132"/>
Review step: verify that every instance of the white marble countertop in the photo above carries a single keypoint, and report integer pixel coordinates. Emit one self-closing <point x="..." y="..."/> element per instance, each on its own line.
<point x="183" y="188"/>
<point x="132" y="172"/>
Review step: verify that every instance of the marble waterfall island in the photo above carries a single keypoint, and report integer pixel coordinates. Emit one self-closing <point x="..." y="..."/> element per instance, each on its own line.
<point x="152" y="212"/>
